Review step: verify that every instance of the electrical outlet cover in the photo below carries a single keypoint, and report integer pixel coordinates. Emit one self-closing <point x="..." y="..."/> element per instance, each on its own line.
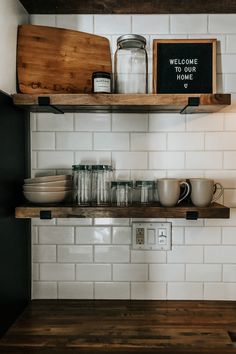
<point x="151" y="235"/>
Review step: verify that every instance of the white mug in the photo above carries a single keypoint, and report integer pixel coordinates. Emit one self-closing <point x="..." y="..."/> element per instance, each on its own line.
<point x="169" y="191"/>
<point x="203" y="191"/>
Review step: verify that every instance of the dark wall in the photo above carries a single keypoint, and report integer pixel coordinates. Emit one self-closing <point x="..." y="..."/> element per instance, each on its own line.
<point x="15" y="241"/>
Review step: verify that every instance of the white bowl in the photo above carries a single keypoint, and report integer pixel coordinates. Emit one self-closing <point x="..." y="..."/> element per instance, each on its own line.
<point x="47" y="197"/>
<point x="38" y="188"/>
<point x="47" y="179"/>
<point x="65" y="184"/>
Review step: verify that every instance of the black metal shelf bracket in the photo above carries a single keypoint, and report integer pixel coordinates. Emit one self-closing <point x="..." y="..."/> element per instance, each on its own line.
<point x="44" y="101"/>
<point x="191" y="215"/>
<point x="45" y="215"/>
<point x="192" y="102"/>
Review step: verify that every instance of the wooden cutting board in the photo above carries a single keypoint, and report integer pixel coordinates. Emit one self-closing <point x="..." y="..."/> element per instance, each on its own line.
<point x="55" y="60"/>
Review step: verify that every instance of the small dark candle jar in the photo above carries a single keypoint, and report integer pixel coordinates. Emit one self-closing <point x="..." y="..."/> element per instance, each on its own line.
<point x="101" y="82"/>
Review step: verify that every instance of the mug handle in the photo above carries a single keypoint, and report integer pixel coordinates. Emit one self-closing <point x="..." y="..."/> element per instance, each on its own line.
<point x="221" y="191"/>
<point x="185" y="192"/>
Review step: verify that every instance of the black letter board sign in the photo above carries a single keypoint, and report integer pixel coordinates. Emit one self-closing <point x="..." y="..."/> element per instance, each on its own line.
<point x="184" y="66"/>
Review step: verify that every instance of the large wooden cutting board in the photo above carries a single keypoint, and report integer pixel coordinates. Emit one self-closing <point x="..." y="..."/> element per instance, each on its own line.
<point x="54" y="60"/>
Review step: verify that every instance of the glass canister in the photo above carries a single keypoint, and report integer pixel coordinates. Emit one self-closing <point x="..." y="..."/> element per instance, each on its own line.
<point x="82" y="184"/>
<point x="131" y="64"/>
<point x="75" y="182"/>
<point x="101" y="177"/>
<point x="144" y="192"/>
<point x="121" y="193"/>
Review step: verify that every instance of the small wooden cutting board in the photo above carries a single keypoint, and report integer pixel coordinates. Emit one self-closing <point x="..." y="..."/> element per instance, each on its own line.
<point x="55" y="60"/>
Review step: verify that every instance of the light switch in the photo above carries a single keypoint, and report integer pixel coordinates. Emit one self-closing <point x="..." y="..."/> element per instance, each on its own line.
<point x="151" y="236"/>
<point x="162" y="240"/>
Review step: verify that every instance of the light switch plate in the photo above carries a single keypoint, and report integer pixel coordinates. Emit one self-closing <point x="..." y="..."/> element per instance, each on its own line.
<point x="151" y="235"/>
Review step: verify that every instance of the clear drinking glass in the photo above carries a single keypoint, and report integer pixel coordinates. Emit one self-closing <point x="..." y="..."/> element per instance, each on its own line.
<point x="144" y="192"/>
<point x="121" y="193"/>
<point x="131" y="65"/>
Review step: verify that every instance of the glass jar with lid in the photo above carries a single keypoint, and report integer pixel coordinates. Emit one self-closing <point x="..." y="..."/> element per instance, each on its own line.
<point x="82" y="184"/>
<point x="101" y="177"/>
<point x="75" y="182"/>
<point x="131" y="64"/>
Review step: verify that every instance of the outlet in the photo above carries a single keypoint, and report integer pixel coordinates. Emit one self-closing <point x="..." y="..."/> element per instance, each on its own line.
<point x="140" y="231"/>
<point x="151" y="236"/>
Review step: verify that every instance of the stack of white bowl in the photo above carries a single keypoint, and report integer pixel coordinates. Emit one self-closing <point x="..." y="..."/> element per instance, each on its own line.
<point x="48" y="189"/>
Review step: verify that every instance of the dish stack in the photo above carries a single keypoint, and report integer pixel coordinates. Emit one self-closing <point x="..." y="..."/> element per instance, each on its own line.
<point x="48" y="189"/>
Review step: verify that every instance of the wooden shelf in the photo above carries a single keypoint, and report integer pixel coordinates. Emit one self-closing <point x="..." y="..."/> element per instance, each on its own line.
<point x="129" y="6"/>
<point x="214" y="211"/>
<point x="164" y="103"/>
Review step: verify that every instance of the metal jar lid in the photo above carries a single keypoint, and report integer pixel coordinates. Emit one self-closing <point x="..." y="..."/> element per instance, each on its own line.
<point x="121" y="183"/>
<point x="132" y="39"/>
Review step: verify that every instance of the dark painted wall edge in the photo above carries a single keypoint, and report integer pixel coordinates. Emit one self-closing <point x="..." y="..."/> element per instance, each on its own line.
<point x="15" y="240"/>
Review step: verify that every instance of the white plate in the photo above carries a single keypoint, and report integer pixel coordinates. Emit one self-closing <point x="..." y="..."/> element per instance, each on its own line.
<point x="47" y="179"/>
<point x="65" y="183"/>
<point x="47" y="197"/>
<point x="39" y="188"/>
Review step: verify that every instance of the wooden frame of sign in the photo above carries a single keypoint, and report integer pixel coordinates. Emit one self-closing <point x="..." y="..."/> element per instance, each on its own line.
<point x="184" y="66"/>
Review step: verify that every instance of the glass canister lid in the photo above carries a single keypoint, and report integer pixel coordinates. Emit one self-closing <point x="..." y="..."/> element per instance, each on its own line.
<point x="101" y="167"/>
<point x="121" y="183"/>
<point x="81" y="167"/>
<point x="133" y="40"/>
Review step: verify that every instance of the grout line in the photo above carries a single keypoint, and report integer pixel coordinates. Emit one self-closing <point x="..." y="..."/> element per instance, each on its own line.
<point x="73" y="121"/>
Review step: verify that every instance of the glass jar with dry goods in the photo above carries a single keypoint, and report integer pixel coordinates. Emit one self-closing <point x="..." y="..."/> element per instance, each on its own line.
<point x="82" y="184"/>
<point x="121" y="193"/>
<point x="144" y="192"/>
<point x="101" y="177"/>
<point x="74" y="182"/>
<point x="131" y="64"/>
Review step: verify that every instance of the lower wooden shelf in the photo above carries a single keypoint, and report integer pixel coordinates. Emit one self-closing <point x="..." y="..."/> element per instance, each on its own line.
<point x="190" y="212"/>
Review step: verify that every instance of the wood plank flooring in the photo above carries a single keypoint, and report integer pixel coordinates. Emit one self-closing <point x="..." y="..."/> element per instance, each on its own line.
<point x="88" y="326"/>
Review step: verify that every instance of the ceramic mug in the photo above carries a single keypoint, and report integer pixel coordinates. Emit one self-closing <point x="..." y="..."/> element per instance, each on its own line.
<point x="203" y="191"/>
<point x="169" y="191"/>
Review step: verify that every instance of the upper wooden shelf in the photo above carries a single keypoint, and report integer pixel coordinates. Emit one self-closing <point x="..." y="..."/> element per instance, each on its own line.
<point x="214" y="211"/>
<point x="128" y="6"/>
<point x="163" y="103"/>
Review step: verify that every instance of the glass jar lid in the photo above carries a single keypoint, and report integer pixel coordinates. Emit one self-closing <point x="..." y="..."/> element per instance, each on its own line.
<point x="101" y="168"/>
<point x="81" y="167"/>
<point x="121" y="183"/>
<point x="132" y="40"/>
<point x="104" y="74"/>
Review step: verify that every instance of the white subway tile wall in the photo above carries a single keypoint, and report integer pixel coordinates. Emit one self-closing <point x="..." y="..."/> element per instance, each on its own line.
<point x="93" y="258"/>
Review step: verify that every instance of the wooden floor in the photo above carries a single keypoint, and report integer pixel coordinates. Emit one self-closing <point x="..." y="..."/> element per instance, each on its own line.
<point x="73" y="327"/>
